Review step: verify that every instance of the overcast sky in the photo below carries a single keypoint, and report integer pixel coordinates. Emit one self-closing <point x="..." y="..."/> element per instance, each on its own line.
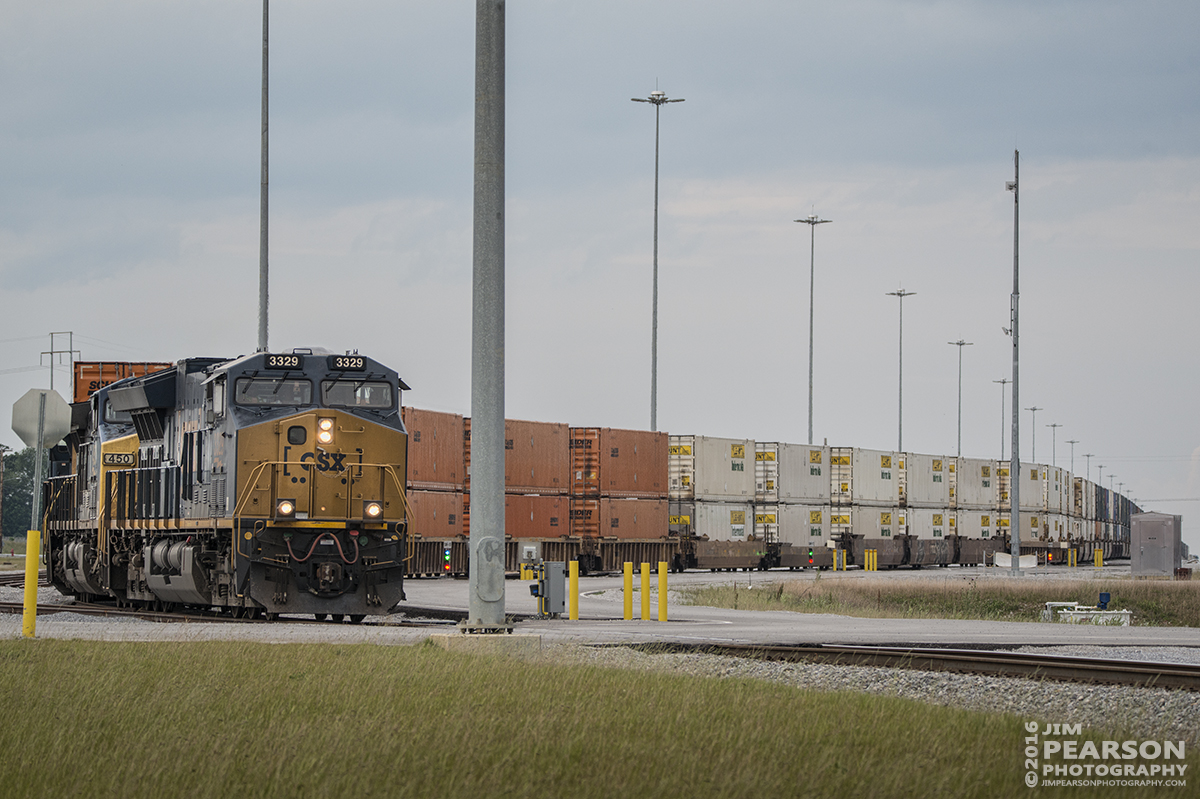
<point x="129" y="178"/>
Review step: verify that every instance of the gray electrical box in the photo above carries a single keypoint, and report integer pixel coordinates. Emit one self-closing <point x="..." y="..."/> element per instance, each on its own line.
<point x="1156" y="544"/>
<point x="551" y="589"/>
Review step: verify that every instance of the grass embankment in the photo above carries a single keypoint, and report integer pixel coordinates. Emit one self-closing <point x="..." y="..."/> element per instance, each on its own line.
<point x="1153" y="602"/>
<point x="17" y="559"/>
<point x="252" y="720"/>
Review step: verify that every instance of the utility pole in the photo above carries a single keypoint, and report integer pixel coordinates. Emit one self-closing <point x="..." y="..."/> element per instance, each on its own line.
<point x="658" y="99"/>
<point x="1053" y="444"/>
<point x="1014" y="492"/>
<point x="70" y="352"/>
<point x="262" y="202"/>
<point x="960" y="344"/>
<point x="1073" y="442"/>
<point x="1033" y="434"/>
<point x="812" y="221"/>
<point x="901" y="294"/>
<point x="1002" y="383"/>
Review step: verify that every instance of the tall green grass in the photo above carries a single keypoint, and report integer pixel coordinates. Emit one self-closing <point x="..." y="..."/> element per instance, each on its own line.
<point x="1153" y="602"/>
<point x="245" y="720"/>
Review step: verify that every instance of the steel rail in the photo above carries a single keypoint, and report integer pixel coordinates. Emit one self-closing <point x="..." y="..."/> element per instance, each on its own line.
<point x="1001" y="663"/>
<point x="185" y="616"/>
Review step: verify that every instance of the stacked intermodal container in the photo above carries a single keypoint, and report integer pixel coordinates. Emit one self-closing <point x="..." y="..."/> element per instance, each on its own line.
<point x="619" y="508"/>
<point x="436" y="482"/>
<point x="792" y="507"/>
<point x="711" y="486"/>
<point x="91" y="376"/>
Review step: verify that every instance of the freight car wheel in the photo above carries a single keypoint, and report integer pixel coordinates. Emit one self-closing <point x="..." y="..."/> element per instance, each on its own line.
<point x="320" y="616"/>
<point x="338" y="617"/>
<point x="356" y="618"/>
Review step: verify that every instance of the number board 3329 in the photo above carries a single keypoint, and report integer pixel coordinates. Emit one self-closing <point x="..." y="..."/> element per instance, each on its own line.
<point x="284" y="361"/>
<point x="347" y="363"/>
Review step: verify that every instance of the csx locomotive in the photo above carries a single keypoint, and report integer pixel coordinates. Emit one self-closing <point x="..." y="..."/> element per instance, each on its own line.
<point x="271" y="483"/>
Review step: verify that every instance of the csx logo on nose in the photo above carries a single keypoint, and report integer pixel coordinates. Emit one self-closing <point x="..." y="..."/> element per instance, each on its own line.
<point x="325" y="462"/>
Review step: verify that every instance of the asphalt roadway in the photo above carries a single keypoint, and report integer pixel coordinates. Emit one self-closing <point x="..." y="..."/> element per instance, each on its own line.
<point x="601" y="617"/>
<point x="601" y="614"/>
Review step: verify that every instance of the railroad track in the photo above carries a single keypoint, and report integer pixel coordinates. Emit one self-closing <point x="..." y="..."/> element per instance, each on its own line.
<point x="1184" y="676"/>
<point x="183" y="617"/>
<point x="11" y="579"/>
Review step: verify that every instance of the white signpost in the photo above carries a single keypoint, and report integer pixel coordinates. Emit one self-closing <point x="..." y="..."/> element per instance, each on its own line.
<point x="41" y="418"/>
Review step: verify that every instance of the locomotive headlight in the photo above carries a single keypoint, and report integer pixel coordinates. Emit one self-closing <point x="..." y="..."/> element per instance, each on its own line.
<point x="325" y="430"/>
<point x="372" y="509"/>
<point x="285" y="508"/>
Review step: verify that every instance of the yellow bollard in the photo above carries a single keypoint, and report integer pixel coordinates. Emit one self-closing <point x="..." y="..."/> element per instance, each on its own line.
<point x="33" y="545"/>
<point x="628" y="591"/>
<point x="573" y="585"/>
<point x="1099" y="558"/>
<point x="645" y="592"/>
<point x="662" y="590"/>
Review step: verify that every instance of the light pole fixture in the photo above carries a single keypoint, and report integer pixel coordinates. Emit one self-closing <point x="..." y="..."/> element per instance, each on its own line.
<point x="812" y="221"/>
<point x="1033" y="434"/>
<point x="1073" y="442"/>
<point x="1054" y="444"/>
<point x="1014" y="491"/>
<point x="901" y="293"/>
<point x="1002" y="383"/>
<point x="658" y="98"/>
<point x="1100" y="475"/>
<point x="960" y="344"/>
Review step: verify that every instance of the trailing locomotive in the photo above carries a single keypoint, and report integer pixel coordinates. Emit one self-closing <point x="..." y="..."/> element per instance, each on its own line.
<point x="271" y="483"/>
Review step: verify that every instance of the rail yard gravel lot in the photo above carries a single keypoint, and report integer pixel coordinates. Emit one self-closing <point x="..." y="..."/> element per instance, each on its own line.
<point x="1142" y="712"/>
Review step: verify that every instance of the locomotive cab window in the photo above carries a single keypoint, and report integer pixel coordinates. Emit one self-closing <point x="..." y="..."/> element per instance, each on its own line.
<point x="272" y="391"/>
<point x="356" y="394"/>
<point x="113" y="416"/>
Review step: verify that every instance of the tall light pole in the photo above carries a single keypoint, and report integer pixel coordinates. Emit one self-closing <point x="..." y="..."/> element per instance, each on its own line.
<point x="1033" y="434"/>
<point x="1014" y="491"/>
<point x="262" y="202"/>
<point x="960" y="344"/>
<point x="1054" y="444"/>
<point x="1073" y="442"/>
<point x="901" y="293"/>
<point x="1089" y="457"/>
<point x="1002" y="383"/>
<point x="1100" y="475"/>
<point x="812" y="221"/>
<point x="658" y="99"/>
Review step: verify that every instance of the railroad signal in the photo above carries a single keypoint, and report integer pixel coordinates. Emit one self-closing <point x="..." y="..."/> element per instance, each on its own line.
<point x="446" y="559"/>
<point x="810" y="556"/>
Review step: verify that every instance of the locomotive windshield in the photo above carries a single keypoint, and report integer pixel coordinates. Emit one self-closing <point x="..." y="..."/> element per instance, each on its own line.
<point x="272" y="391"/>
<point x="356" y="394"/>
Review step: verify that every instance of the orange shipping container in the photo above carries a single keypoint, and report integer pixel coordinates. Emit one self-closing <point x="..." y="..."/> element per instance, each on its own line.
<point x="527" y="516"/>
<point x="91" y="376"/>
<point x="607" y="462"/>
<point x="537" y="457"/>
<point x="435" y="450"/>
<point x="624" y="519"/>
<point x="436" y="514"/>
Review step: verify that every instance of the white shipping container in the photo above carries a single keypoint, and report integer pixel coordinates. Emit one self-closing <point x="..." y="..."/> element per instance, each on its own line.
<point x="804" y="525"/>
<point x="766" y="522"/>
<point x="875" y="522"/>
<point x="1055" y="525"/>
<point x="1088" y="501"/>
<point x="976" y="523"/>
<point x="929" y="523"/>
<point x="721" y="521"/>
<point x="1031" y="477"/>
<point x="803" y="474"/>
<point x="926" y="481"/>
<point x="1058" y="490"/>
<point x="1031" y="525"/>
<point x="711" y="469"/>
<point x="975" y="484"/>
<point x="865" y="477"/>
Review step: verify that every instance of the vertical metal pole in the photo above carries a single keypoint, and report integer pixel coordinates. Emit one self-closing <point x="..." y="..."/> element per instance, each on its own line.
<point x="654" y="324"/>
<point x="1054" y="444"/>
<point x="262" y="203"/>
<point x="1014" y="471"/>
<point x="35" y="509"/>
<point x="645" y="592"/>
<point x="573" y="591"/>
<point x="627" y="570"/>
<point x="662" y="590"/>
<point x="900" y="414"/>
<point x="812" y="272"/>
<point x="1003" y="424"/>
<point x="960" y="401"/>
<point x="486" y="606"/>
